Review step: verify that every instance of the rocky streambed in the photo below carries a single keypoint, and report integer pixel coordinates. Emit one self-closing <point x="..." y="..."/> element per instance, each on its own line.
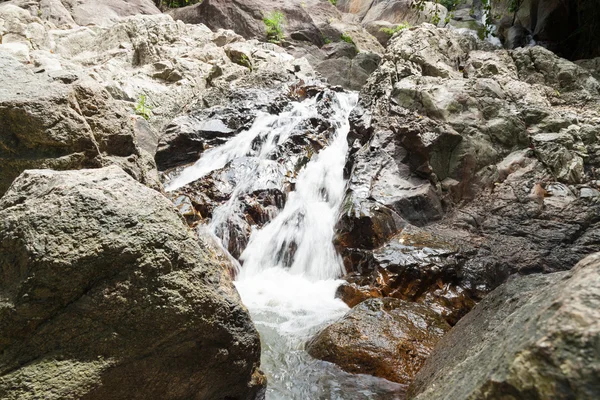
<point x="422" y="236"/>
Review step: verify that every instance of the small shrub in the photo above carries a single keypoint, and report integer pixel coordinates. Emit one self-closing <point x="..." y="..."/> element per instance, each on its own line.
<point x="333" y="2"/>
<point x="164" y="4"/>
<point x="142" y="108"/>
<point x="274" y="22"/>
<point x="347" y="38"/>
<point x="244" y="61"/>
<point x="450" y="4"/>
<point x="326" y="40"/>
<point x="398" y="28"/>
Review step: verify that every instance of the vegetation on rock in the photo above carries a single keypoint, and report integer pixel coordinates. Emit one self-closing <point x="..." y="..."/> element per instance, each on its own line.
<point x="398" y="28"/>
<point x="347" y="38"/>
<point x="275" y="23"/>
<point x="142" y="108"/>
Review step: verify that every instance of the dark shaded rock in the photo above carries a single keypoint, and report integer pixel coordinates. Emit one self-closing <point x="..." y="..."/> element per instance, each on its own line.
<point x="388" y="338"/>
<point x="534" y="337"/>
<point x="366" y="224"/>
<point x="146" y="310"/>
<point x="186" y="137"/>
<point x="567" y="28"/>
<point x="414" y="265"/>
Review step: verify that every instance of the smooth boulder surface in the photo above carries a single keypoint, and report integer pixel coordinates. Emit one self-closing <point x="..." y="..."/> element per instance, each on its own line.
<point x="534" y="337"/>
<point x="388" y="338"/>
<point x="106" y="294"/>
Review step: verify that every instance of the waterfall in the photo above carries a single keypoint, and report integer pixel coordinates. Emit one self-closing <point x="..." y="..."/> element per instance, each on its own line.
<point x="290" y="267"/>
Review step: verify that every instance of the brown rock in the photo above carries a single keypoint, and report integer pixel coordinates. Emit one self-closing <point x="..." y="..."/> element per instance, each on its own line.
<point x="388" y="338"/>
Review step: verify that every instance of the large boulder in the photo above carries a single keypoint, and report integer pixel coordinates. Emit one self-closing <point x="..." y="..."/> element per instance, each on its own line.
<point x="534" y="337"/>
<point x="394" y="11"/>
<point x="388" y="338"/>
<point x="104" y="299"/>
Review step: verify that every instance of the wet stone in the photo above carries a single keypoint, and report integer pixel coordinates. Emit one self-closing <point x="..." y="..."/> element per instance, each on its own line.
<point x="388" y="338"/>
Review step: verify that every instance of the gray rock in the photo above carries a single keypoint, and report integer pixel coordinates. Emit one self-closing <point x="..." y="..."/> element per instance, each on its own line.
<point x="533" y="337"/>
<point x="49" y="124"/>
<point x="70" y="13"/>
<point x="245" y="17"/>
<point x="394" y="11"/>
<point x="477" y="147"/>
<point x="105" y="299"/>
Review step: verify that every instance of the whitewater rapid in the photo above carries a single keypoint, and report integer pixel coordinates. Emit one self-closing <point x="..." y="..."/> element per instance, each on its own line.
<point x="291" y="293"/>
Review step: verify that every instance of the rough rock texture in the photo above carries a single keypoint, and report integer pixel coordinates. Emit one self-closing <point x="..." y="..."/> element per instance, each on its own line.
<point x="394" y="11"/>
<point x="387" y="337"/>
<point x="311" y="21"/>
<point x="69" y="97"/>
<point x="485" y="151"/>
<point x="312" y="29"/>
<point x="70" y="13"/>
<point x="102" y="298"/>
<point x="534" y="337"/>
<point x="50" y="123"/>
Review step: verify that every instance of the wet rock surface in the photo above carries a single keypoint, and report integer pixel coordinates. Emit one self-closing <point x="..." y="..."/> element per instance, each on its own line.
<point x="467" y="153"/>
<point x="532" y="337"/>
<point x="87" y="97"/>
<point x="148" y="310"/>
<point x="387" y="337"/>
<point x="273" y="161"/>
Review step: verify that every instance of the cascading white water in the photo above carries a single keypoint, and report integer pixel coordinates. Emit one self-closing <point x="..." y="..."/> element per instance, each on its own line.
<point x="290" y="266"/>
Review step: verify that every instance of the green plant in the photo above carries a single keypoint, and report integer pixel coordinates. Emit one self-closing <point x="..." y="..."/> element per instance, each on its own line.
<point x="451" y="4"/>
<point x="244" y="61"/>
<point x="347" y="38"/>
<point x="397" y="28"/>
<point x="326" y="40"/>
<point x="142" y="108"/>
<point x="274" y="22"/>
<point x="163" y="4"/>
<point x="333" y="2"/>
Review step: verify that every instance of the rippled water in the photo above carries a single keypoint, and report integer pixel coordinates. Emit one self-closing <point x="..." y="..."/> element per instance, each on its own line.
<point x="291" y="293"/>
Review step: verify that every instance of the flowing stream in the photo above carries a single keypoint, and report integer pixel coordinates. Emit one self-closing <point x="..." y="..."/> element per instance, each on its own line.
<point x="290" y="267"/>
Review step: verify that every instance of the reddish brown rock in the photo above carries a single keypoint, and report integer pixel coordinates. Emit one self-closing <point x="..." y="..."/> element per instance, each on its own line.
<point x="388" y="338"/>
